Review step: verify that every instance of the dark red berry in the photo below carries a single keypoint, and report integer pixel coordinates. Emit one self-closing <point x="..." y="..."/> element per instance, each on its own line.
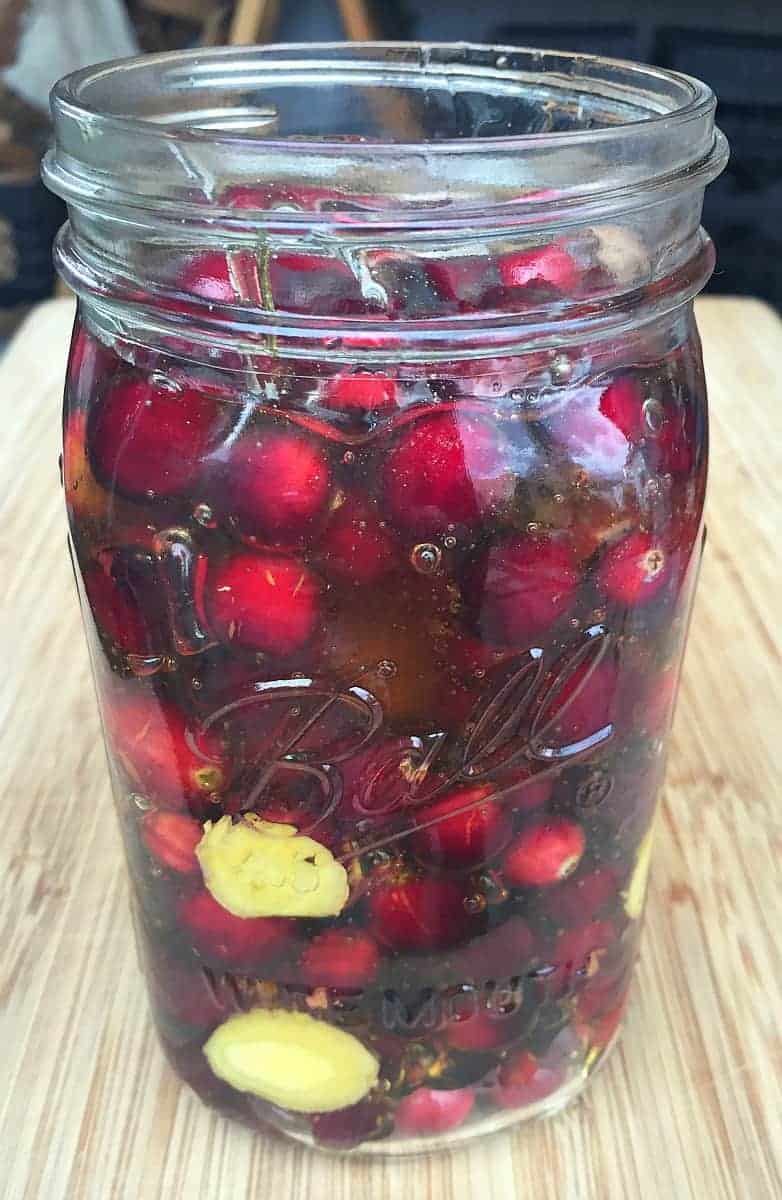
<point x="429" y="1111"/>
<point x="360" y="392"/>
<point x="314" y="285"/>
<point x="622" y="403"/>
<point x="446" y="469"/>
<point x="545" y="852"/>
<point x="481" y="1027"/>
<point x="340" y="958"/>
<point x="171" y="838"/>
<point x="262" y="602"/>
<point x="242" y="942"/>
<point x="89" y="364"/>
<point x="462" y="829"/>
<point x="465" y="281"/>
<point x="526" y="585"/>
<point x="525" y="1079"/>
<point x="579" y="952"/>
<point x="150" y="440"/>
<point x="582" y="705"/>
<point x="208" y="276"/>
<point x="635" y="570"/>
<point x="275" y="485"/>
<point x="502" y="953"/>
<point x="167" y="760"/>
<point x="526" y="793"/>
<point x="355" y="545"/>
<point x="347" y="1127"/>
<point x="117" y="602"/>
<point x="419" y="914"/>
<point x="550" y="267"/>
<point x="583" y="896"/>
<point x="383" y="778"/>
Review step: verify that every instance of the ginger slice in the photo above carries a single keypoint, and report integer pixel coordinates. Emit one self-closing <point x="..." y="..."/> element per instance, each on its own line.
<point x="635" y="893"/>
<point x="257" y="868"/>
<point x="292" y="1059"/>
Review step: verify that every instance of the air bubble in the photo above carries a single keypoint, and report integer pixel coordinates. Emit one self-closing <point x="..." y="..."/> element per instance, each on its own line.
<point x="474" y="904"/>
<point x="653" y="415"/>
<point x="165" y="383"/>
<point x="533" y="527"/>
<point x="561" y="368"/>
<point x="348" y="457"/>
<point x="426" y="558"/>
<point x="386" y="668"/>
<point x="140" y="802"/>
<point x="449" y="542"/>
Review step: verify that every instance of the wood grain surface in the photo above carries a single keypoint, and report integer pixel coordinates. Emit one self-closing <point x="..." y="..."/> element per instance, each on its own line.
<point x="689" y="1105"/>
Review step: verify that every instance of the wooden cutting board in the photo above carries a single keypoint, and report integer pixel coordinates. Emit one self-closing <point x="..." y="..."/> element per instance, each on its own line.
<point x="689" y="1107"/>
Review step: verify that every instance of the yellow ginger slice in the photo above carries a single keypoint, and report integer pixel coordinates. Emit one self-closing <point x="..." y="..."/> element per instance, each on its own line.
<point x="635" y="893"/>
<point x="259" y="868"/>
<point x="292" y="1059"/>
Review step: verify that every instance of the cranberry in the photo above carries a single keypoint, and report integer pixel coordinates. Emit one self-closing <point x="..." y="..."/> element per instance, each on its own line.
<point x="186" y="996"/>
<point x="382" y="779"/>
<point x="582" y="705"/>
<point x="447" y="469"/>
<point x="524" y="1079"/>
<point x="275" y="484"/>
<point x="348" y="1127"/>
<point x="622" y="404"/>
<point x="208" y="276"/>
<point x="262" y="602"/>
<point x="635" y="570"/>
<point x="462" y="829"/>
<point x="592" y="438"/>
<point x="171" y="838"/>
<point x="340" y="958"/>
<point x="578" y="952"/>
<point x="149" y="440"/>
<point x="359" y="392"/>
<point x="167" y="760"/>
<point x="544" y="853"/>
<point x="314" y="285"/>
<point x="418" y="914"/>
<point x="526" y="792"/>
<point x="481" y="1028"/>
<point x="465" y="281"/>
<point x="125" y="606"/>
<point x="502" y="953"/>
<point x="356" y="546"/>
<point x="428" y="1111"/>
<point x="89" y="363"/>
<point x="242" y="942"/>
<point x="583" y="896"/>
<point x="550" y="267"/>
<point x="527" y="583"/>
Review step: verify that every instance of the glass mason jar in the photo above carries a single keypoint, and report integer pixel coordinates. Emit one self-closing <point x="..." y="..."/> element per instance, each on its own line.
<point x="385" y="453"/>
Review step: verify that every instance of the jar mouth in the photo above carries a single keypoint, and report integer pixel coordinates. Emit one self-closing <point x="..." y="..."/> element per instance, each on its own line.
<point x="407" y="133"/>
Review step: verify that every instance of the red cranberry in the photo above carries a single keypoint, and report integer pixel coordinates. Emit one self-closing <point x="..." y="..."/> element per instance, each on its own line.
<point x="262" y="602"/>
<point x="340" y="958"/>
<point x="381" y="779"/>
<point x="524" y="1079"/>
<point x="591" y="437"/>
<point x="482" y="1028"/>
<point x="243" y="942"/>
<point x="207" y="275"/>
<point x="582" y="705"/>
<point x="548" y="266"/>
<point x="419" y="914"/>
<point x="185" y="995"/>
<point x="89" y="363"/>
<point x="348" y="1127"/>
<point x="428" y="1111"/>
<point x="466" y="281"/>
<point x="314" y="285"/>
<point x="528" y="584"/>
<point x="275" y="484"/>
<point x="583" y="896"/>
<point x="120" y="614"/>
<point x="171" y="838"/>
<point x="544" y="853"/>
<point x="359" y="392"/>
<point x="622" y="404"/>
<point x="355" y="545"/>
<point x="170" y="762"/>
<point x="578" y="952"/>
<point x="527" y="793"/>
<point x="462" y="829"/>
<point x="635" y="570"/>
<point x="446" y="469"/>
<point x="149" y="440"/>
<point x="502" y="953"/>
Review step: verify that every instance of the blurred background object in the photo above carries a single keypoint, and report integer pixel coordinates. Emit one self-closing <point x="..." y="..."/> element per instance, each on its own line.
<point x="736" y="47"/>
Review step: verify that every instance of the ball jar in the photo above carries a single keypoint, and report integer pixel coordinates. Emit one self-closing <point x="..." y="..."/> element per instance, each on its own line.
<point x="384" y="459"/>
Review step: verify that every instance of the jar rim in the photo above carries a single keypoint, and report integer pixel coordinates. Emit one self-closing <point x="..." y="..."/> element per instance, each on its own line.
<point x="174" y="119"/>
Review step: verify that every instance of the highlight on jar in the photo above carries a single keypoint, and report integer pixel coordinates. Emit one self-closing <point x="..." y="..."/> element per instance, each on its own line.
<point x="384" y="461"/>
